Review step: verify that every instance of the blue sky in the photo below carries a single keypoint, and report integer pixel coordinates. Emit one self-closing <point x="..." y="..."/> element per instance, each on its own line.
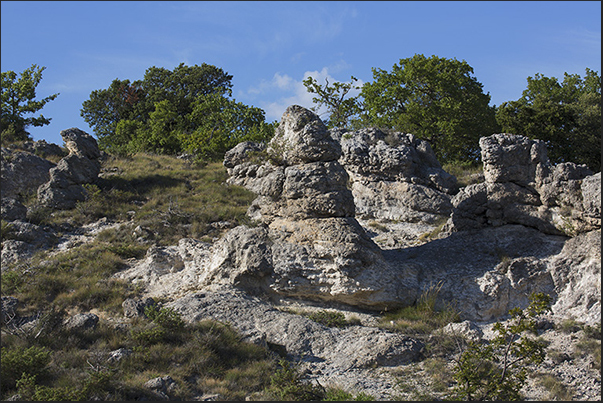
<point x="270" y="47"/>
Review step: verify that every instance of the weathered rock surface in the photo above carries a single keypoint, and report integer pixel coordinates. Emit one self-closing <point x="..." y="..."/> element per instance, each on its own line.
<point x="522" y="187"/>
<point x="310" y="244"/>
<point x="24" y="240"/>
<point x="395" y="176"/>
<point x="43" y="149"/>
<point x="298" y="251"/>
<point x="81" y="166"/>
<point x="22" y="173"/>
<point x="327" y="354"/>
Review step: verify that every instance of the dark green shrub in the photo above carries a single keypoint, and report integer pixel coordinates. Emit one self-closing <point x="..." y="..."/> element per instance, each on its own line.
<point x="287" y="384"/>
<point x="328" y="318"/>
<point x="167" y="318"/>
<point x="496" y="370"/>
<point x="20" y="361"/>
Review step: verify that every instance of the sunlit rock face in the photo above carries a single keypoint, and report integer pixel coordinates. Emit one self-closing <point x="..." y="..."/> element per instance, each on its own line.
<point x="64" y="188"/>
<point x="315" y="247"/>
<point x="522" y="187"/>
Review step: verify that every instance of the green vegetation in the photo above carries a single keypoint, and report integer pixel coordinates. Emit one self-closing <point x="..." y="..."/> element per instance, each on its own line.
<point x="466" y="173"/>
<point x="437" y="100"/>
<point x="169" y="112"/>
<point x="496" y="370"/>
<point x="205" y="357"/>
<point x="168" y="197"/>
<point x="287" y="384"/>
<point x="341" y="111"/>
<point x="423" y="317"/>
<point x="18" y="99"/>
<point x="331" y="319"/>
<point x="566" y="115"/>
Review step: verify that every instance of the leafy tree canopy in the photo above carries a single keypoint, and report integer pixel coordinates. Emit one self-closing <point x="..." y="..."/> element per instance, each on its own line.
<point x="436" y="99"/>
<point x="566" y="115"/>
<point x="340" y="110"/>
<point x="174" y="111"/>
<point x="18" y="99"/>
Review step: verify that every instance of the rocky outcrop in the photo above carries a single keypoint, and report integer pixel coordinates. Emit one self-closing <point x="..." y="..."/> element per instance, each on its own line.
<point x="522" y="187"/>
<point x="310" y="244"/>
<point x="343" y="355"/>
<point x="64" y="188"/>
<point x="395" y="176"/>
<point x="23" y="239"/>
<point x="43" y="149"/>
<point x="22" y="173"/>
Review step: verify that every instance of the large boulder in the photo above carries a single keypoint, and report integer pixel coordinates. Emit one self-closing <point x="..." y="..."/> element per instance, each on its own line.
<point x="310" y="244"/>
<point x="522" y="187"/>
<point x="64" y="188"/>
<point x="395" y="176"/>
<point x="22" y="173"/>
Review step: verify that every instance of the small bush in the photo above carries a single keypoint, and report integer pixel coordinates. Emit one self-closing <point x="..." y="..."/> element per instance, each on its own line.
<point x="328" y="318"/>
<point x="287" y="384"/>
<point x="19" y="362"/>
<point x="12" y="282"/>
<point x="496" y="370"/>
<point x="557" y="390"/>
<point x="167" y="318"/>
<point x="423" y="317"/>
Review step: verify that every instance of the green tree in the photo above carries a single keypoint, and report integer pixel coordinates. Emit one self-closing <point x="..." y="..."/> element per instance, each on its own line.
<point x="496" y="370"/>
<point x="565" y="115"/>
<point x="340" y="109"/>
<point x="222" y="123"/>
<point x="18" y="99"/>
<point x="437" y="100"/>
<point x="187" y="109"/>
<point x="106" y="108"/>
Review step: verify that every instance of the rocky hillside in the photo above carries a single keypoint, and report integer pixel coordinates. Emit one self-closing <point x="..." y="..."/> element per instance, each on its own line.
<point x="359" y="224"/>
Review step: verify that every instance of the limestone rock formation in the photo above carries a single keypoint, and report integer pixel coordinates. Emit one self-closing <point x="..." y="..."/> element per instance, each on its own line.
<point x="22" y="172"/>
<point x="260" y="322"/>
<point x="310" y="244"/>
<point x="522" y="187"/>
<point x="81" y="166"/>
<point x="395" y="176"/>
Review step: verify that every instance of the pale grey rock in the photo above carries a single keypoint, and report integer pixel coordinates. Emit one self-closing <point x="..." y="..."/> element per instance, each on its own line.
<point x="171" y="270"/>
<point x="24" y="240"/>
<point x="522" y="187"/>
<point x="163" y="384"/>
<point x="240" y="153"/>
<point x="395" y="176"/>
<point x="13" y="209"/>
<point x="82" y="321"/>
<point x="481" y="273"/>
<point x="22" y="173"/>
<point x="119" y="354"/>
<point x="510" y="158"/>
<point x="303" y="339"/>
<point x="591" y="195"/>
<point x="135" y="308"/>
<point x="43" y="149"/>
<point x="302" y="137"/>
<point x="80" y="143"/>
<point x="465" y="329"/>
<point x="64" y="188"/>
<point x="576" y="272"/>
